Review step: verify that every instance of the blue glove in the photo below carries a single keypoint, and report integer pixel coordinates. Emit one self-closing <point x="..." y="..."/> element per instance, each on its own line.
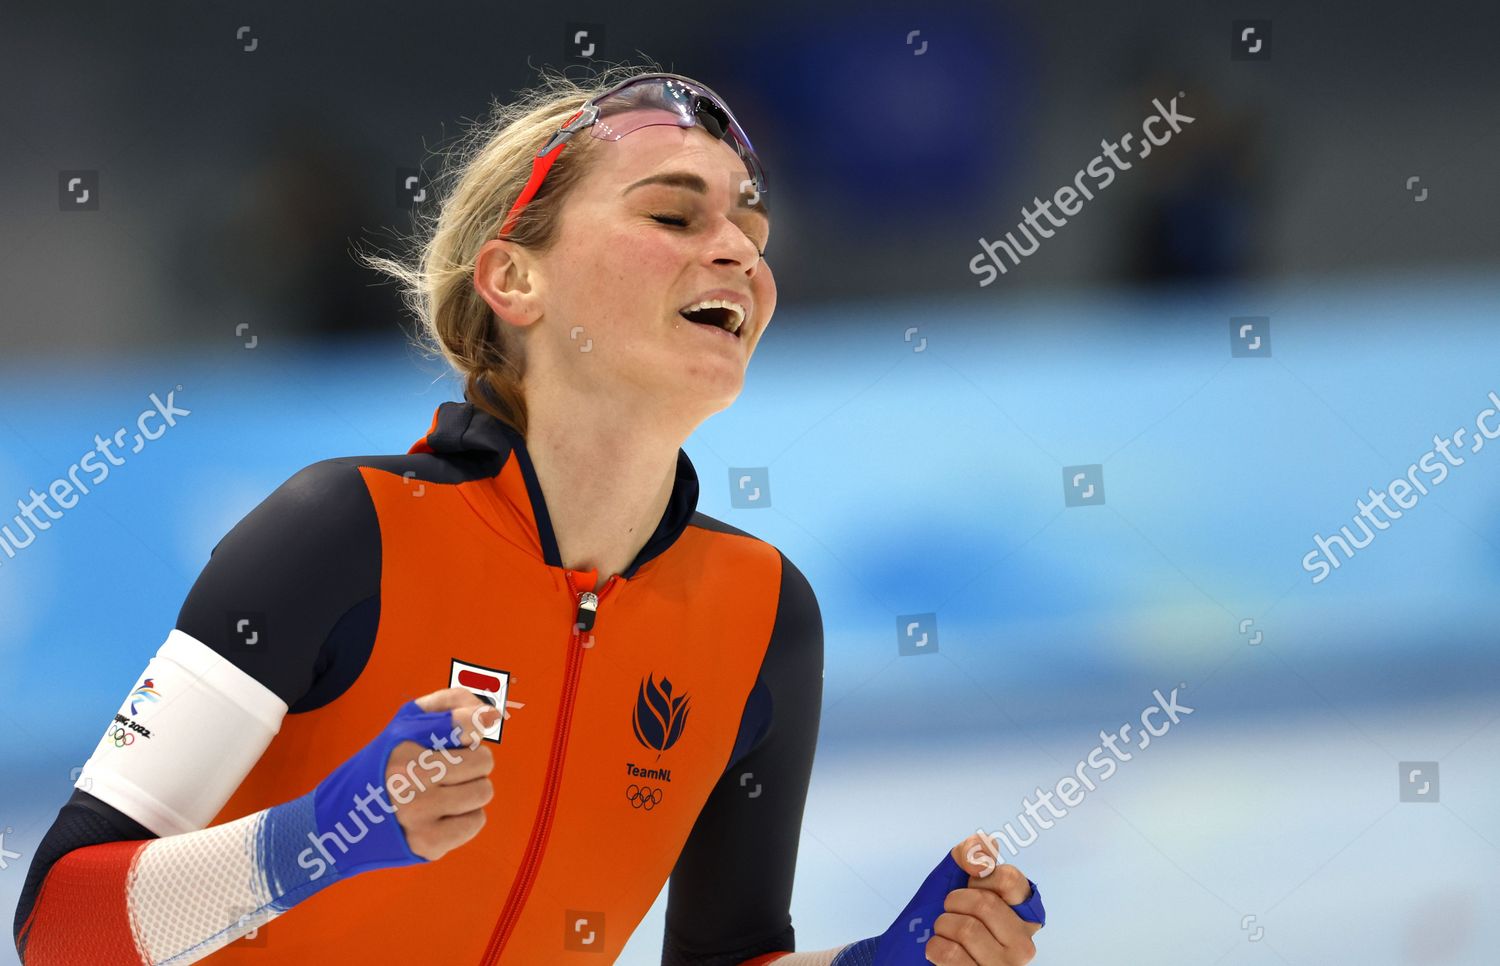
<point x="903" y="944"/>
<point x="307" y="844"/>
<point x="339" y="819"/>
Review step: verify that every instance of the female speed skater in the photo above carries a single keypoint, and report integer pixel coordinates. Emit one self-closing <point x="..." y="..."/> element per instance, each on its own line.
<point x="578" y="686"/>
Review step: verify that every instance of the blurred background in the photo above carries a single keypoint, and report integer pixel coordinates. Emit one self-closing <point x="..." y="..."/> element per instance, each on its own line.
<point x="1334" y="797"/>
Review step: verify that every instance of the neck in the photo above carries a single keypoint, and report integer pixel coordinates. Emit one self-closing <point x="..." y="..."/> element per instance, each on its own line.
<point x="606" y="482"/>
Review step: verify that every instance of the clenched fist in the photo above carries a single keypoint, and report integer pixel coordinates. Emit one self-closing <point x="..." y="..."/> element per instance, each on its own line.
<point x="440" y="794"/>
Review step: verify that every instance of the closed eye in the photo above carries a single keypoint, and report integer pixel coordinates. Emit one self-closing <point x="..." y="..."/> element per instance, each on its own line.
<point x="680" y="222"/>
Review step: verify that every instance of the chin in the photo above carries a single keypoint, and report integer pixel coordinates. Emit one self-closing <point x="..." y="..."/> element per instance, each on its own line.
<point x="715" y="385"/>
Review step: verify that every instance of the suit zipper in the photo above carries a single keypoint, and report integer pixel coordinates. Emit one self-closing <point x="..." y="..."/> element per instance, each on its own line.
<point x="541" y="828"/>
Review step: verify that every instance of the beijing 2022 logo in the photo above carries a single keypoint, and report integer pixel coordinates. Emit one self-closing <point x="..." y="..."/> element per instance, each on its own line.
<point x="146" y="692"/>
<point x="659" y="717"/>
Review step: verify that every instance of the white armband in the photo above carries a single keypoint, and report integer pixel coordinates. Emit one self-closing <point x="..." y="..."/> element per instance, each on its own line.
<point x="183" y="739"/>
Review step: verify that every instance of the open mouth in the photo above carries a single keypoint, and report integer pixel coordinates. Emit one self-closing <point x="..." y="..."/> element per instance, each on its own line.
<point x="719" y="313"/>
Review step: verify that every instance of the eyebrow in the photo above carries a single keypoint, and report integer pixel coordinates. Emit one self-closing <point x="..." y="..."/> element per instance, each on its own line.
<point x="694" y="182"/>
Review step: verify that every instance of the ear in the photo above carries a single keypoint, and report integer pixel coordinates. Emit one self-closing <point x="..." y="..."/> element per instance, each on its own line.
<point x="506" y="277"/>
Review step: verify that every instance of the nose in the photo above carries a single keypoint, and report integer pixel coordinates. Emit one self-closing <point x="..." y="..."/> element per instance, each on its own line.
<point x="731" y="246"/>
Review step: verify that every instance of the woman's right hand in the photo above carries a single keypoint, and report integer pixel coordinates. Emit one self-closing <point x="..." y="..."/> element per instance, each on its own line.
<point x="440" y="795"/>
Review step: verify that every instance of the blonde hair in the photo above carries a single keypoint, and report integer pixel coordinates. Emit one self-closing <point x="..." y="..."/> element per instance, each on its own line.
<point x="482" y="175"/>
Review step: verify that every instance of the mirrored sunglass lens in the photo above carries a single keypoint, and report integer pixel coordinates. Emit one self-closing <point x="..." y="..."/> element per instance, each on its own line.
<point x="672" y="101"/>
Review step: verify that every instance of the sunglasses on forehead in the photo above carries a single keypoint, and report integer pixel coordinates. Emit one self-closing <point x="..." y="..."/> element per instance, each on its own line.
<point x="645" y="100"/>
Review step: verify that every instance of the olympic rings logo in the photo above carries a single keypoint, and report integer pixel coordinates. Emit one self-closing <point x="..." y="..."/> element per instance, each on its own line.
<point x="121" y="736"/>
<point x="643" y="796"/>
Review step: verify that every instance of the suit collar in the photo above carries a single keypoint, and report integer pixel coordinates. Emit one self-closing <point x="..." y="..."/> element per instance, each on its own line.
<point x="461" y="428"/>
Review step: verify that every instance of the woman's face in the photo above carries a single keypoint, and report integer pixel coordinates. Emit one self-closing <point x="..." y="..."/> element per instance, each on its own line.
<point x="659" y="223"/>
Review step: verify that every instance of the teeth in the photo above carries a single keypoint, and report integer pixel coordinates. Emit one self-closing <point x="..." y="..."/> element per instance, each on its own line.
<point x="736" y="308"/>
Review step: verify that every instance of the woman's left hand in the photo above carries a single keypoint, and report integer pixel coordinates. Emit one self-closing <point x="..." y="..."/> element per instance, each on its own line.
<point x="978" y="926"/>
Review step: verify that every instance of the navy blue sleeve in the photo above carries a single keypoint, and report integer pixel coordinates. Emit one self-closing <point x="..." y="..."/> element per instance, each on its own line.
<point x="730" y="894"/>
<point x="291" y="595"/>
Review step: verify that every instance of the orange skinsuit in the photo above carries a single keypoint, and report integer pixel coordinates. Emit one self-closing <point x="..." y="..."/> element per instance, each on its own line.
<point x="670" y="732"/>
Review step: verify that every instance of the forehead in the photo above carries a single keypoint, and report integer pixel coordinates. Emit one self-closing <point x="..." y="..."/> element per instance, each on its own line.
<point x="666" y="149"/>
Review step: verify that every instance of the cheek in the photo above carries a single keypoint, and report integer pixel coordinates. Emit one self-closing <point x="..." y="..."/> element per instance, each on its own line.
<point x="657" y="251"/>
<point x="763" y="288"/>
<point x="640" y="264"/>
<point x="621" y="281"/>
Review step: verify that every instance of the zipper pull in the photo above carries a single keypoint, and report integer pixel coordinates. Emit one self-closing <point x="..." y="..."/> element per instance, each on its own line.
<point x="588" y="605"/>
